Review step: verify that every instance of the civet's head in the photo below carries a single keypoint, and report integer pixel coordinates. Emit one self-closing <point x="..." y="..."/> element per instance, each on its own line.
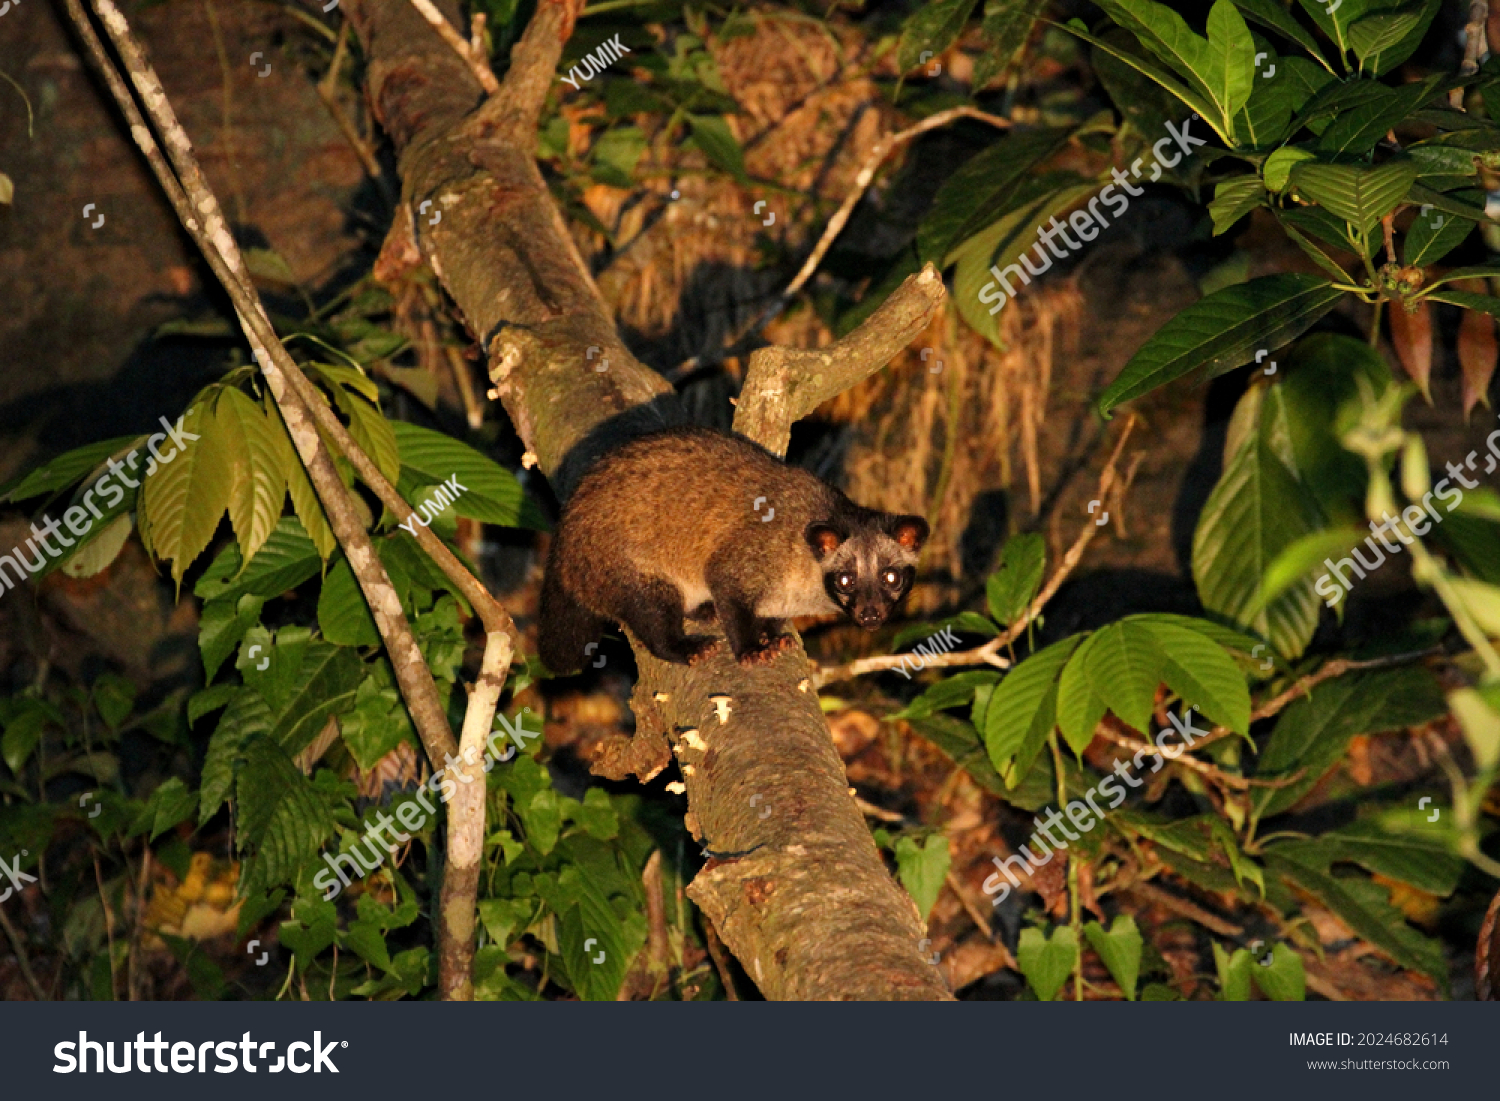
<point x="868" y="562"/>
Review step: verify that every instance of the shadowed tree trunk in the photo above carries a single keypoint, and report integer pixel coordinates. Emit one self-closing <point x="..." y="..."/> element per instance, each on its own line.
<point x="798" y="891"/>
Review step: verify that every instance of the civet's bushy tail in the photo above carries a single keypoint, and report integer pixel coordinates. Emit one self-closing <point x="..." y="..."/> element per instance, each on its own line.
<point x="566" y="627"/>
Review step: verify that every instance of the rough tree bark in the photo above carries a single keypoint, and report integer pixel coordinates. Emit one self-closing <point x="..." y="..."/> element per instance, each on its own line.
<point x="799" y="892"/>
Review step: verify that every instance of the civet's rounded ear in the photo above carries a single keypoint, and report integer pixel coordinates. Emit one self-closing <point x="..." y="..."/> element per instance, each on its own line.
<point x="823" y="538"/>
<point x="910" y="531"/>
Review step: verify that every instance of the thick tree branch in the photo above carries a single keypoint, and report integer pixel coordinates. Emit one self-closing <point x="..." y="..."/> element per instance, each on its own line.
<point x="783" y="385"/>
<point x="810" y="907"/>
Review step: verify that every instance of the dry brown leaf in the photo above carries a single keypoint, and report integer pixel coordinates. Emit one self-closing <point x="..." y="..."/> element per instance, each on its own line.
<point x="1477" y="354"/>
<point x="1411" y="333"/>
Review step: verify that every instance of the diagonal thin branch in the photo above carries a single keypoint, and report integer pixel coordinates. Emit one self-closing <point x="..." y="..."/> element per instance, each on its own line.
<point x="471" y="55"/>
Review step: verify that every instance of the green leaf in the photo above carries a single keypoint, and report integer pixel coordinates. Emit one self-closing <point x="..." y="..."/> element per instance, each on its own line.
<point x="1224" y="331"/>
<point x="257" y="486"/>
<point x="1195" y="97"/>
<point x="711" y="134"/>
<point x="1435" y="234"/>
<point x="1313" y="733"/>
<point x="1234" y="974"/>
<point x="1023" y="709"/>
<point x="491" y="493"/>
<point x="378" y="722"/>
<point x="954" y="691"/>
<point x="1480" y="600"/>
<point x="1271" y="14"/>
<point x="167" y="805"/>
<point x="1120" y="949"/>
<point x="1047" y="962"/>
<point x="1421" y="860"/>
<point x="1255" y="511"/>
<point x="542" y="818"/>
<point x="1123" y="666"/>
<point x="596" y="946"/>
<point x="1202" y="674"/>
<point x="113" y="698"/>
<point x="309" y="510"/>
<point x="343" y="616"/>
<point x="921" y="867"/>
<point x="286" y="559"/>
<point x="186" y="498"/>
<point x="934" y="26"/>
<point x="1364" y="907"/>
<point x="983" y="190"/>
<point x="222" y="625"/>
<point x="1300" y="559"/>
<point x="99" y="548"/>
<point x="1079" y="707"/>
<point x="1006" y="27"/>
<point x="1277" y="170"/>
<point x="1385" y="39"/>
<point x="372" y="432"/>
<point x="596" y="815"/>
<point x="1478" y="714"/>
<point x="67" y="468"/>
<point x="1016" y="580"/>
<point x="1468" y="301"/>
<point x="1233" y="199"/>
<point x="1358" y="194"/>
<point x="282" y="821"/>
<point x="1356" y="131"/>
<point x="975" y="291"/>
<point x="1281" y="977"/>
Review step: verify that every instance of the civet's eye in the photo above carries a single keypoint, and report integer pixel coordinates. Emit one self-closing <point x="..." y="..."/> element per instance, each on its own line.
<point x="891" y="578"/>
<point x="844" y="582"/>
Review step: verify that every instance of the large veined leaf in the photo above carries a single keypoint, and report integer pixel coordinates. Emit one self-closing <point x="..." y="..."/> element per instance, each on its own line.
<point x="1385" y="39"/>
<point x="1123" y="667"/>
<point x="595" y="943"/>
<point x="282" y="820"/>
<point x="1079" y="707"/>
<point x="975" y="290"/>
<point x="1313" y="733"/>
<point x="299" y="487"/>
<point x="97" y="549"/>
<point x="372" y="432"/>
<point x="343" y="616"/>
<point x="1356" y="131"/>
<point x="1468" y="300"/>
<point x="490" y="494"/>
<point x="1224" y="331"/>
<point x="1363" y="906"/>
<point x="286" y="559"/>
<point x="186" y="498"/>
<point x="257" y="486"/>
<point x="1435" y="234"/>
<point x="221" y="627"/>
<point x="1014" y="584"/>
<point x="1358" y="194"/>
<point x="1301" y="558"/>
<point x="1193" y="97"/>
<point x="67" y="468"/>
<point x="1007" y="24"/>
<point x="1422" y="861"/>
<point x="1221" y="67"/>
<point x="1023" y="709"/>
<point x="712" y="135"/>
<point x="982" y="190"/>
<point x="932" y="28"/>
<point x="1270" y="13"/>
<point x="1233" y="199"/>
<point x="1202" y="674"/>
<point x="1256" y="510"/>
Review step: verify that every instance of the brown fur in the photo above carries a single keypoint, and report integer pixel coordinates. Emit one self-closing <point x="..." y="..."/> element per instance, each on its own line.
<point x="678" y="519"/>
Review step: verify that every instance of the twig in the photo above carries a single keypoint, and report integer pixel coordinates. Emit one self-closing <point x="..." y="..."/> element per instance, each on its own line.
<point x="974" y="912"/>
<point x="471" y="57"/>
<point x="1333" y="669"/>
<point x="109" y="925"/>
<point x="1182" y="906"/>
<point x="1476" y="45"/>
<point x="23" y="961"/>
<point x="989" y="653"/>
<point x="328" y="93"/>
<point x="877" y="155"/>
<point x="716" y="950"/>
